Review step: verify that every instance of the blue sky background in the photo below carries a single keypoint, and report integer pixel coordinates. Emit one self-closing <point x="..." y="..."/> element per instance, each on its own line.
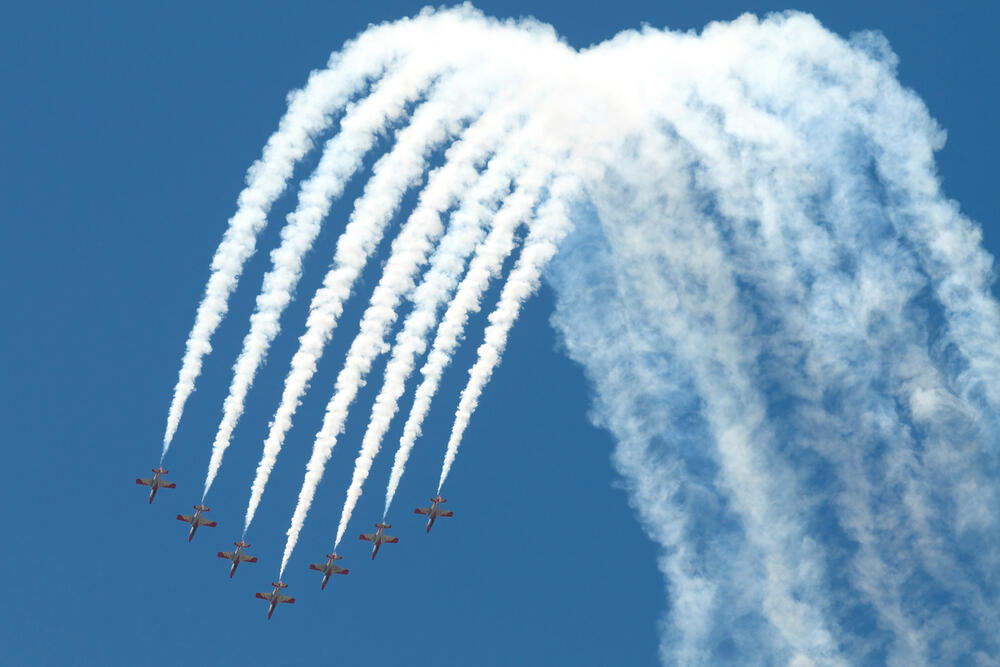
<point x="127" y="130"/>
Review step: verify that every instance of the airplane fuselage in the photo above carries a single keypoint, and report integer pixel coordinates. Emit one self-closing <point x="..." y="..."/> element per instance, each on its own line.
<point x="154" y="487"/>
<point x="194" y="525"/>
<point x="379" y="538"/>
<point x="236" y="561"/>
<point x="432" y="517"/>
<point x="196" y="521"/>
<point x="275" y="601"/>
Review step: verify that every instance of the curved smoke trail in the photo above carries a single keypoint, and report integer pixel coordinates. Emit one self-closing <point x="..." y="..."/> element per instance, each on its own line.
<point x="485" y="266"/>
<point x="547" y="231"/>
<point x="465" y="232"/>
<point x="308" y="114"/>
<point x="372" y="213"/>
<point x="409" y="252"/>
<point x="341" y="158"/>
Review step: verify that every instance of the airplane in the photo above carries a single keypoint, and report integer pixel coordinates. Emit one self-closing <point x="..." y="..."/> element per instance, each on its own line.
<point x="155" y="483"/>
<point x="433" y="512"/>
<point x="196" y="520"/>
<point x="379" y="537"/>
<point x="237" y="556"/>
<point x="275" y="597"/>
<point x="328" y="568"/>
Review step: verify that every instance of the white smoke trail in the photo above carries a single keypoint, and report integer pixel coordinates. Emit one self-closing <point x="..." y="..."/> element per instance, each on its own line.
<point x="483" y="75"/>
<point x="341" y="158"/>
<point x="465" y="233"/>
<point x="393" y="174"/>
<point x="308" y="114"/>
<point x="484" y="267"/>
<point x="409" y="252"/>
<point x="550" y="227"/>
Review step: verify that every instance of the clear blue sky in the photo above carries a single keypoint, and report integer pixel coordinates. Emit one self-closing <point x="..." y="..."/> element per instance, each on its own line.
<point x="127" y="130"/>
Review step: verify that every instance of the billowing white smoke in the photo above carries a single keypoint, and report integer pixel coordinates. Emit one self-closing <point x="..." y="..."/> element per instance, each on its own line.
<point x="762" y="296"/>
<point x="788" y="329"/>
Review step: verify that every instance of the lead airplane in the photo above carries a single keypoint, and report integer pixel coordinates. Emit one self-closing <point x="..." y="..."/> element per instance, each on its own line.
<point x="275" y="597"/>
<point x="155" y="483"/>
<point x="237" y="556"/>
<point x="433" y="512"/>
<point x="379" y="537"/>
<point x="328" y="568"/>
<point x="196" y="520"/>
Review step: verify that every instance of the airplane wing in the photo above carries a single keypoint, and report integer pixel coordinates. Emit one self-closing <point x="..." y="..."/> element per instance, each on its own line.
<point x="314" y="566"/>
<point x="247" y="559"/>
<point x="144" y="481"/>
<point x="368" y="537"/>
<point x="225" y="554"/>
<point x="422" y="510"/>
<point x="282" y="598"/>
<point x="187" y="518"/>
<point x="445" y="514"/>
<point x="264" y="596"/>
<point x="167" y="485"/>
<point x="205" y="522"/>
<point x="389" y="540"/>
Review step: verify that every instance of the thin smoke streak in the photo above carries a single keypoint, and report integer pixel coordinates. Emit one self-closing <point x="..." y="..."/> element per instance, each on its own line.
<point x="466" y="231"/>
<point x="341" y="159"/>
<point x="371" y="214"/>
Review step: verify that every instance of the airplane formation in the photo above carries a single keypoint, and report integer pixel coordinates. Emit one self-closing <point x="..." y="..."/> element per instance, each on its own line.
<point x="239" y="555"/>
